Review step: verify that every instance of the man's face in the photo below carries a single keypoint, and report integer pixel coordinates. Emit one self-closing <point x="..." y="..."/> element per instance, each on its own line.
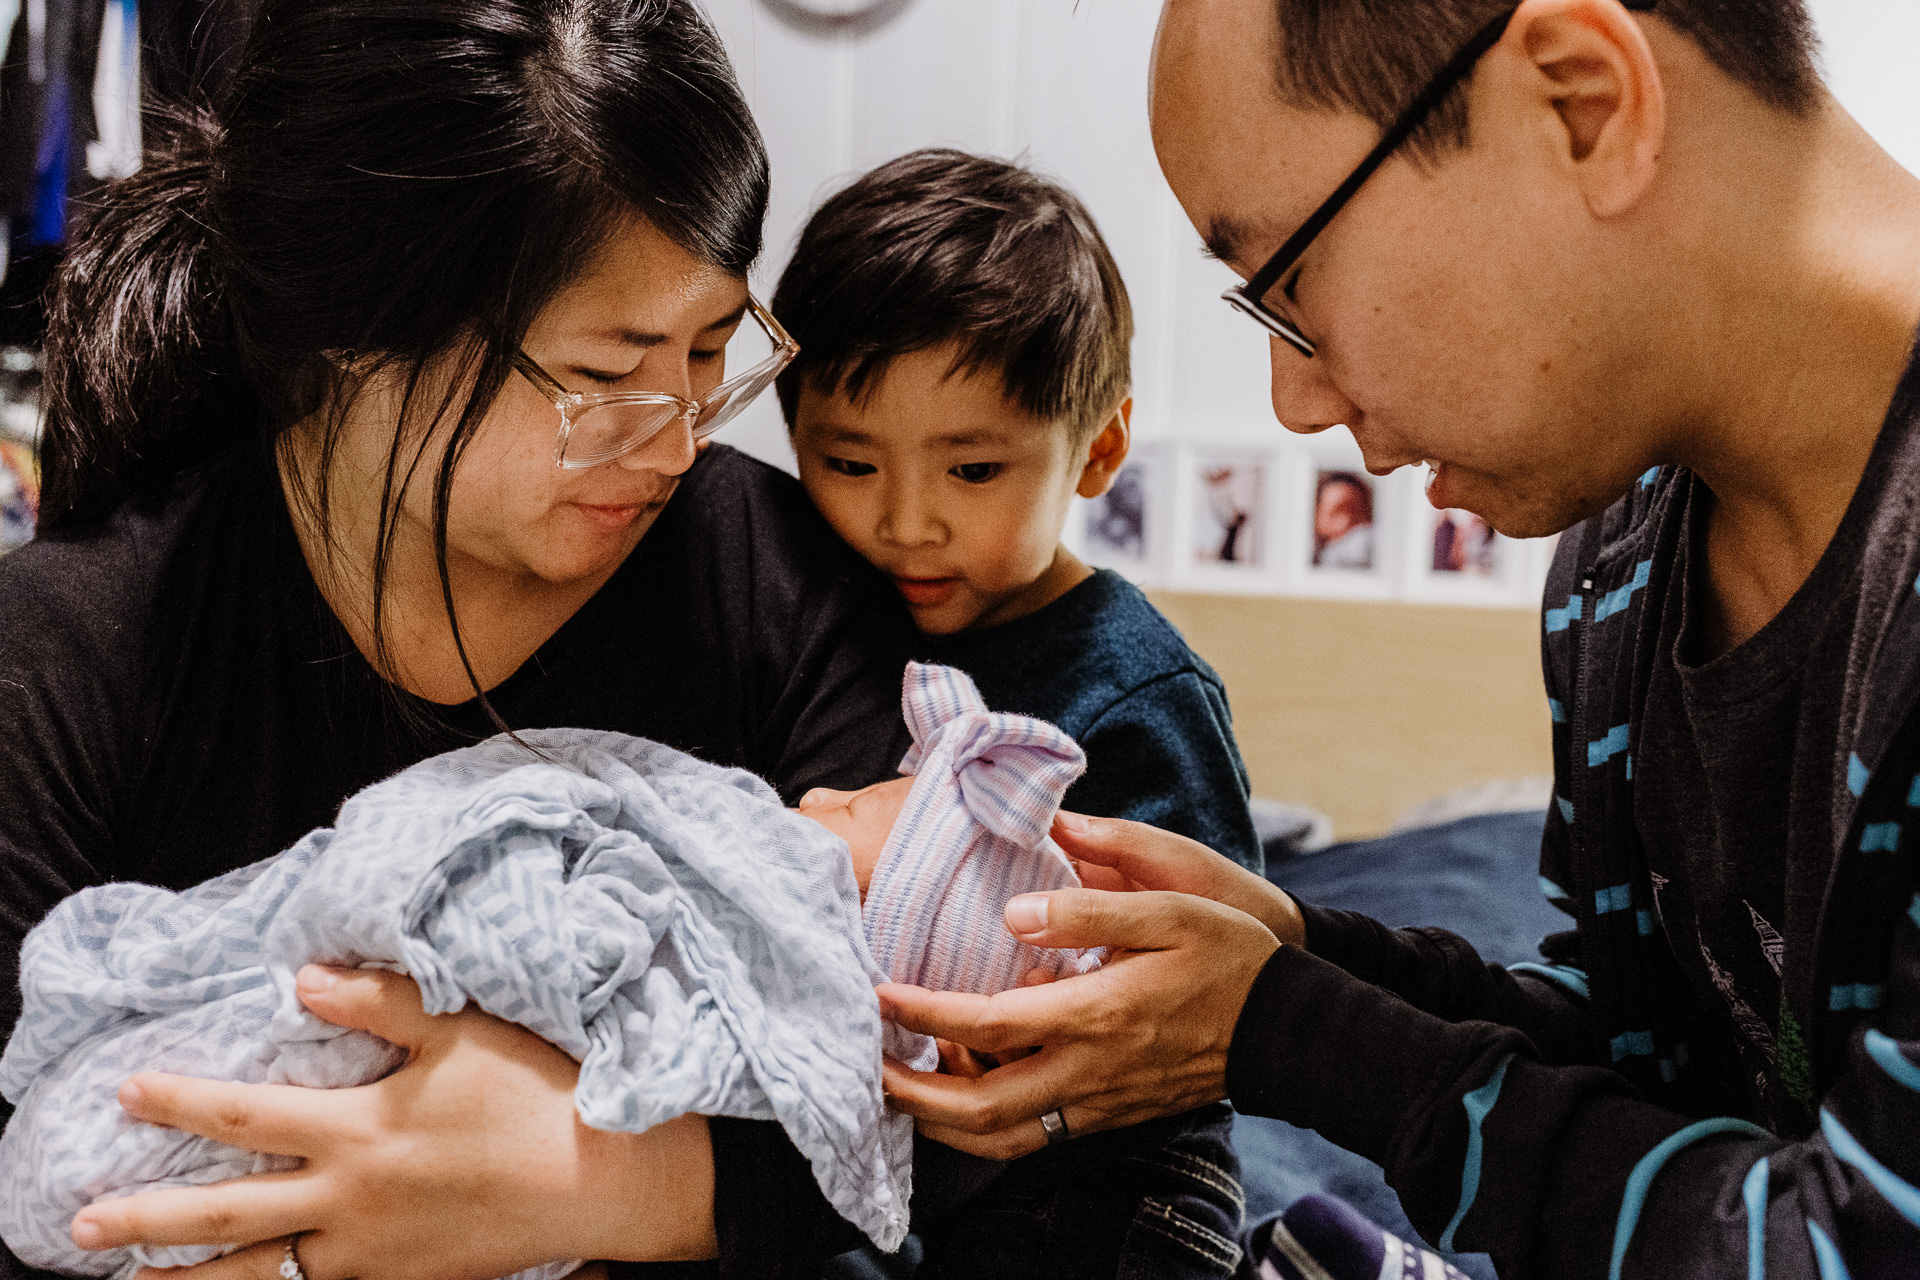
<point x="1458" y="308"/>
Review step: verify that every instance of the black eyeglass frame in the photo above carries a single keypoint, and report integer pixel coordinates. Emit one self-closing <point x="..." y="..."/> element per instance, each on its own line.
<point x="1248" y="298"/>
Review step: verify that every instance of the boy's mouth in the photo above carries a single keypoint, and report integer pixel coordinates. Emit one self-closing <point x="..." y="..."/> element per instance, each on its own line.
<point x="926" y="591"/>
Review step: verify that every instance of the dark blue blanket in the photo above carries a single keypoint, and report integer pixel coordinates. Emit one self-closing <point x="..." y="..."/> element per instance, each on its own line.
<point x="1477" y="877"/>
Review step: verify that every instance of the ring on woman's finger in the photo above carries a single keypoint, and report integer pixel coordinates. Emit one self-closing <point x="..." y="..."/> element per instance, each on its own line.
<point x="1055" y="1123"/>
<point x="290" y="1268"/>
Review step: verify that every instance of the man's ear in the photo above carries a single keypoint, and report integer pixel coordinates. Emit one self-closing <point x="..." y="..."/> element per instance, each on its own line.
<point x="1590" y="62"/>
<point x="1106" y="452"/>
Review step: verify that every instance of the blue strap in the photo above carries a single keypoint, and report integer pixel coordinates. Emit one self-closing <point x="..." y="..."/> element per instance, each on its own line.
<point x="1897" y="1191"/>
<point x="1477" y="1103"/>
<point x="1882" y="1049"/>
<point x="1561" y="975"/>
<point x="1880" y="837"/>
<point x="1601" y="750"/>
<point x="1634" y="1198"/>
<point x="1561" y="619"/>
<point x="1754" y="1192"/>
<point x="1825" y="1255"/>
<point x="1618" y="599"/>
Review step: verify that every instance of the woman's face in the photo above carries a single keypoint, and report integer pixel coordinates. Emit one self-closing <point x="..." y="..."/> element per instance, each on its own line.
<point x="644" y="316"/>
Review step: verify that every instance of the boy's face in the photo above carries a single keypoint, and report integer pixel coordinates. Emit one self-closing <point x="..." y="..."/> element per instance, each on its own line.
<point x="863" y="818"/>
<point x="947" y="486"/>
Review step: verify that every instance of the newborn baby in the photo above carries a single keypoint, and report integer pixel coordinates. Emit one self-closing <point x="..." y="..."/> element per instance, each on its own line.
<point x="937" y="854"/>
<point x="697" y="947"/>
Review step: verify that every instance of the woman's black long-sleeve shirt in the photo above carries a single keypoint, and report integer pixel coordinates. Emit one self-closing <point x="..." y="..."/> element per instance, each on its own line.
<point x="177" y="700"/>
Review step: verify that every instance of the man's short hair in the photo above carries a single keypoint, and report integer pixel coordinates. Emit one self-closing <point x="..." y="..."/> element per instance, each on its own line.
<point x="1372" y="56"/>
<point x="941" y="247"/>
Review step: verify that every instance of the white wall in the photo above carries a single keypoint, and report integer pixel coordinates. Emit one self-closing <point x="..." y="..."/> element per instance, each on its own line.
<point x="1868" y="52"/>
<point x="1063" y="83"/>
<point x="1063" y="86"/>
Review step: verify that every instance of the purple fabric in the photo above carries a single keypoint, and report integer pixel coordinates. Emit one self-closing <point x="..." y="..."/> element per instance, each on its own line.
<point x="1325" y="1238"/>
<point x="971" y="835"/>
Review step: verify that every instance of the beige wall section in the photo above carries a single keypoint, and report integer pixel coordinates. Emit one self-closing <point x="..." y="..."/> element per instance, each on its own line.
<point x="1364" y="710"/>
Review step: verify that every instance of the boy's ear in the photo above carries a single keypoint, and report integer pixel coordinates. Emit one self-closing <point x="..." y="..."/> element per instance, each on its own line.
<point x="1107" y="452"/>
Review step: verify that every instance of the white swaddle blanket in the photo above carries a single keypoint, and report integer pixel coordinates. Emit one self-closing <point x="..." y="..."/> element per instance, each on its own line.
<point x="666" y="922"/>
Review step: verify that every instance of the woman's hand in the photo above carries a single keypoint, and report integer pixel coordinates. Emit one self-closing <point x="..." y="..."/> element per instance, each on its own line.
<point x="1144" y="1035"/>
<point x="1111" y="853"/>
<point x="467" y="1162"/>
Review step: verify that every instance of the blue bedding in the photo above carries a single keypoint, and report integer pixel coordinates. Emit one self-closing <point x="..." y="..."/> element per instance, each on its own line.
<point x="1476" y="876"/>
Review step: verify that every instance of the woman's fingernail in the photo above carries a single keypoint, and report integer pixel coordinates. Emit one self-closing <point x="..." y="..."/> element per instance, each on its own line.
<point x="1070" y="821"/>
<point x="1027" y="913"/>
<point x="131" y="1095"/>
<point x="88" y="1234"/>
<point x="315" y="979"/>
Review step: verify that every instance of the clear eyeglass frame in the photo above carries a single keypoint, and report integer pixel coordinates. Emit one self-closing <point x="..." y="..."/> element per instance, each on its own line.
<point x="599" y="427"/>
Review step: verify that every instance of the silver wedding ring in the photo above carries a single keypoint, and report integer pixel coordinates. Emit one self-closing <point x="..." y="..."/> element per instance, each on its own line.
<point x="1055" y="1123"/>
<point x="290" y="1268"/>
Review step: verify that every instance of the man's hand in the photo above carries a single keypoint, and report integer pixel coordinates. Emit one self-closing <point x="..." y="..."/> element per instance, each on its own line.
<point x="1144" y="1035"/>
<point x="1111" y="853"/>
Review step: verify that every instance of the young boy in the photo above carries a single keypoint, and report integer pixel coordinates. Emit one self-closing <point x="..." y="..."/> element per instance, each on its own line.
<point x="963" y="373"/>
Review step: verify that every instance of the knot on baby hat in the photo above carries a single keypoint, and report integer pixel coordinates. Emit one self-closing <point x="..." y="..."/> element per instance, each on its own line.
<point x="971" y="835"/>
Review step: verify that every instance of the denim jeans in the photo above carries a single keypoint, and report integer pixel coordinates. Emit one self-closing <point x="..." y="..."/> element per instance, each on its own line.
<point x="1158" y="1200"/>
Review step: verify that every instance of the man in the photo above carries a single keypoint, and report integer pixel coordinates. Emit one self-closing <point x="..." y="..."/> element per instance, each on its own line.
<point x="1630" y="270"/>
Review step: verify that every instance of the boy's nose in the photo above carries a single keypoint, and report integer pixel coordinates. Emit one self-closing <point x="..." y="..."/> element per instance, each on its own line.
<point x="907" y="520"/>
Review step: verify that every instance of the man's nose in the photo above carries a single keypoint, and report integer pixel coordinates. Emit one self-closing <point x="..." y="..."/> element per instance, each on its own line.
<point x="1304" y="397"/>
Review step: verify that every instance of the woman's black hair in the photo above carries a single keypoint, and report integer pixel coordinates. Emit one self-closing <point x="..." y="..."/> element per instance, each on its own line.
<point x="385" y="184"/>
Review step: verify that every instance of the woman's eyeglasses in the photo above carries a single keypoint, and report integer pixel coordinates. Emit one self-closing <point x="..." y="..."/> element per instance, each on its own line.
<point x="1250" y="298"/>
<point x="601" y="427"/>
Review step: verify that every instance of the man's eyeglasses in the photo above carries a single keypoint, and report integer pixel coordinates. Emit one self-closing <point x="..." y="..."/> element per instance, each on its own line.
<point x="599" y="428"/>
<point x="1250" y="297"/>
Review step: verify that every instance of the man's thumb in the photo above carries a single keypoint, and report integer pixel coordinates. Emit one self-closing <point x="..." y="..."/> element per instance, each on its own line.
<point x="1098" y="918"/>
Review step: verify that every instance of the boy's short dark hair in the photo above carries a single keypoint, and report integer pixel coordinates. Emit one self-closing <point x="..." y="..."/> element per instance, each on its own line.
<point x="940" y="246"/>
<point x="1372" y="56"/>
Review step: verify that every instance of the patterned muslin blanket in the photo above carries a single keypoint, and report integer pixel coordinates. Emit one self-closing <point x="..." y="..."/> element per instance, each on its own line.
<point x="666" y="922"/>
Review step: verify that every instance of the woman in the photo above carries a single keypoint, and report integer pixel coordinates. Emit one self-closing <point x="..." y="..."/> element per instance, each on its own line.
<point x="303" y="525"/>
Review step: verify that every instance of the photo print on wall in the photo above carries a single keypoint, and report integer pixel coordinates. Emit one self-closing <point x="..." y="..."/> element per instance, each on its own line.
<point x="1344" y="521"/>
<point x="1230" y="512"/>
<point x="1117" y="530"/>
<point x="1464" y="543"/>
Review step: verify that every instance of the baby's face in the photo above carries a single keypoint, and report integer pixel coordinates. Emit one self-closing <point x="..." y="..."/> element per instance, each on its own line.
<point x="863" y="818"/>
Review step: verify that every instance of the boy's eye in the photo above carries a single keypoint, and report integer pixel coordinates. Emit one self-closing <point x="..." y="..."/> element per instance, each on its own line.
<point x="848" y="467"/>
<point x="976" y="472"/>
